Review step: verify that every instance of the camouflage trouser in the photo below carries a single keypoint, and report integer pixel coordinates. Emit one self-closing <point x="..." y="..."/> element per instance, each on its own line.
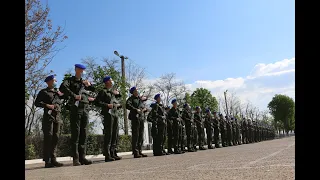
<point x="79" y="119"/>
<point x="51" y="131"/>
<point x="195" y="136"/>
<point x="176" y="131"/>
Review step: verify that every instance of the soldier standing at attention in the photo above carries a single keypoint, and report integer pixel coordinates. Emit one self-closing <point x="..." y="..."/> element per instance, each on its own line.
<point x="136" y="115"/>
<point x="75" y="89"/>
<point x="175" y="117"/>
<point x="187" y="117"/>
<point x="154" y="129"/>
<point x="216" y="131"/>
<point x="107" y="100"/>
<point x="234" y="132"/>
<point x="244" y="129"/>
<point x="249" y="133"/>
<point x="208" y="126"/>
<point x="200" y="129"/>
<point x="237" y="131"/>
<point x="169" y="131"/>
<point x="169" y="151"/>
<point x="50" y="100"/>
<point x="182" y="134"/>
<point x="223" y="130"/>
<point x="229" y="131"/>
<point x="158" y="115"/>
<point x="194" y="141"/>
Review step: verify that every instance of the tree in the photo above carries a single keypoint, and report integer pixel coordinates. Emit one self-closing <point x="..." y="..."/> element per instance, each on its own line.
<point x="40" y="47"/>
<point x="203" y="98"/>
<point x="282" y="109"/>
<point x="169" y="87"/>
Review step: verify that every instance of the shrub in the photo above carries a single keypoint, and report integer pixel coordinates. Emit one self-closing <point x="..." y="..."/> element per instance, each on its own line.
<point x="34" y="145"/>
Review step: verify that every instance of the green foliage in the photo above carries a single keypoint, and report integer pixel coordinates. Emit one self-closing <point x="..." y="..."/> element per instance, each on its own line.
<point x="34" y="145"/>
<point x="203" y="98"/>
<point x="282" y="108"/>
<point x="29" y="151"/>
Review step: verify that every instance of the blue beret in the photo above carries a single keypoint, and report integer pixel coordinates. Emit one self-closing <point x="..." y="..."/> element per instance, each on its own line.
<point x="197" y="107"/>
<point x="185" y="105"/>
<point x="207" y="110"/>
<point x="173" y="101"/>
<point x="132" y="89"/>
<point x="80" y="66"/>
<point x="220" y="114"/>
<point x="107" y="78"/>
<point x="49" y="78"/>
<point x="231" y="118"/>
<point x="156" y="96"/>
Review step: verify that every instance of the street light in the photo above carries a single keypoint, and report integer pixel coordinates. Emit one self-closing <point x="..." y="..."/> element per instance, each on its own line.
<point x="123" y="77"/>
<point x="225" y="98"/>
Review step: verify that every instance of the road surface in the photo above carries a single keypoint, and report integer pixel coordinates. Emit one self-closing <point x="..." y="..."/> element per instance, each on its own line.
<point x="273" y="159"/>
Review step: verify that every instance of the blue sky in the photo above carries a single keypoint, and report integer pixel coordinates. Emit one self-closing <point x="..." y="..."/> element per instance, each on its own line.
<point x="207" y="40"/>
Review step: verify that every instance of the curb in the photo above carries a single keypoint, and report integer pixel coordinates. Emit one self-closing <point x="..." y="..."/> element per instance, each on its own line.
<point x="99" y="156"/>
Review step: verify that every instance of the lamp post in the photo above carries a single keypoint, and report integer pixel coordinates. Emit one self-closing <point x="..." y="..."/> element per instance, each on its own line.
<point x="123" y="90"/>
<point x="225" y="99"/>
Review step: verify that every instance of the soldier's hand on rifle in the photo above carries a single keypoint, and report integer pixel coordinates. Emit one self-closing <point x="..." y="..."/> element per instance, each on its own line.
<point x="110" y="106"/>
<point x="78" y="97"/>
<point x="115" y="92"/>
<point x="60" y="93"/>
<point x="86" y="83"/>
<point x="50" y="106"/>
<point x="91" y="98"/>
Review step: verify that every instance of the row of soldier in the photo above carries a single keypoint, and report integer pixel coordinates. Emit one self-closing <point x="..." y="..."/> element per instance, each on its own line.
<point x="169" y="123"/>
<point x="176" y="124"/>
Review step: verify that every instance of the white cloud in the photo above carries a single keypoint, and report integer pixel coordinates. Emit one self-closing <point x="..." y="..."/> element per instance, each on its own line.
<point x="259" y="86"/>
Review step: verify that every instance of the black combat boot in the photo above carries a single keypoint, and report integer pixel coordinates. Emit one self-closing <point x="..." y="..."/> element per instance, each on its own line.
<point x="56" y="163"/>
<point x="170" y="151"/>
<point x="136" y="154"/>
<point x="143" y="155"/>
<point x="217" y="145"/>
<point x="48" y="164"/>
<point x="85" y="161"/>
<point x="202" y="148"/>
<point x="108" y="157"/>
<point x="210" y="147"/>
<point x="76" y="161"/>
<point x="115" y="156"/>
<point x="195" y="148"/>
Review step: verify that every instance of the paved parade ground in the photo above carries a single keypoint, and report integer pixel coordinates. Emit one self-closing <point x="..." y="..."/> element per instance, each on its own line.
<point x="273" y="159"/>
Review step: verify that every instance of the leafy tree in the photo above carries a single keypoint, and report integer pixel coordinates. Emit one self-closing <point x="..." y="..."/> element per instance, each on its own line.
<point x="282" y="109"/>
<point x="170" y="87"/>
<point x="41" y="42"/>
<point x="202" y="97"/>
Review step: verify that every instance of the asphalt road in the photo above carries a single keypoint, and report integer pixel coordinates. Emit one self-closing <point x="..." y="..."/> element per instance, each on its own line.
<point x="274" y="159"/>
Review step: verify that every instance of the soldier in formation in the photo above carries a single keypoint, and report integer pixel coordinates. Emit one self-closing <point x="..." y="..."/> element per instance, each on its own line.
<point x="188" y="119"/>
<point x="200" y="128"/>
<point x="216" y="129"/>
<point x="137" y="116"/>
<point x="166" y="122"/>
<point x="175" y="116"/>
<point x="50" y="100"/>
<point x="158" y="115"/>
<point x="76" y="90"/>
<point x="108" y="102"/>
